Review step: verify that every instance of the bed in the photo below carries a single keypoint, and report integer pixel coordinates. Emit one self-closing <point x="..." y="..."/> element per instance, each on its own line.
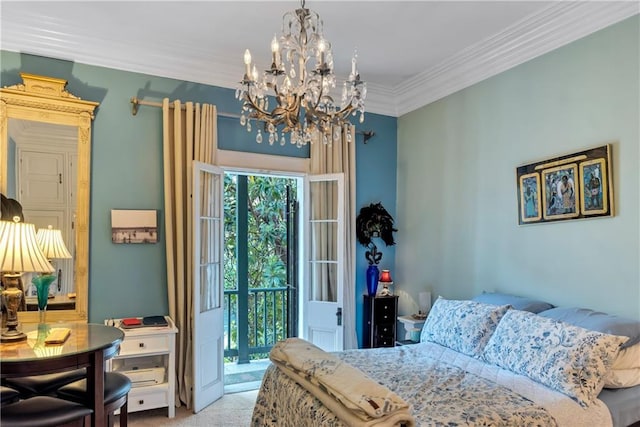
<point x="478" y="363"/>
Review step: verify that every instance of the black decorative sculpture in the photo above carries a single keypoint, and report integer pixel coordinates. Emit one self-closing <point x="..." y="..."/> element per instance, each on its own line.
<point x="374" y="221"/>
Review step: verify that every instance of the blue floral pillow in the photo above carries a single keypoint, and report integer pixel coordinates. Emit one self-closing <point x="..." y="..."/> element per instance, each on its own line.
<point x="566" y="358"/>
<point x="464" y="326"/>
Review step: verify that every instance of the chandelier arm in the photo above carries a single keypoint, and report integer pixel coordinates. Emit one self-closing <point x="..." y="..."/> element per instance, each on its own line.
<point x="288" y="117"/>
<point x="315" y="107"/>
<point x="255" y="107"/>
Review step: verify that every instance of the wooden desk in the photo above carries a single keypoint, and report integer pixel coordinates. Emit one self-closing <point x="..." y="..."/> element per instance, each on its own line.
<point x="88" y="346"/>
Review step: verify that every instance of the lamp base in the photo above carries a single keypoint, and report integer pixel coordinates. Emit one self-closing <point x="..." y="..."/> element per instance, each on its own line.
<point x="385" y="292"/>
<point x="12" y="335"/>
<point x="11" y="298"/>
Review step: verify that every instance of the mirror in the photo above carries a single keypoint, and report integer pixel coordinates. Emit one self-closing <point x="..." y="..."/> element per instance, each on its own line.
<point x="49" y="130"/>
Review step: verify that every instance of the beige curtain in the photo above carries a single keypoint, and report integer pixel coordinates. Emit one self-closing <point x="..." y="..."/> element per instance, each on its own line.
<point x="188" y="134"/>
<point x="340" y="156"/>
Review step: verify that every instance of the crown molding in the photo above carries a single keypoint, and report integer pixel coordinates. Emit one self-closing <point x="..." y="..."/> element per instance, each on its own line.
<point x="544" y="31"/>
<point x="550" y="28"/>
<point x="381" y="100"/>
<point x="537" y="34"/>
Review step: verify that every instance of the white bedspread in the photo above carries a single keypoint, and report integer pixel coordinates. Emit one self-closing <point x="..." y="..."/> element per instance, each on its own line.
<point x="434" y="380"/>
<point x="566" y="411"/>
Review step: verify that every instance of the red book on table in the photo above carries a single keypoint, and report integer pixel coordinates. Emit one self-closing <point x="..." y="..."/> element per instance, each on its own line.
<point x="132" y="321"/>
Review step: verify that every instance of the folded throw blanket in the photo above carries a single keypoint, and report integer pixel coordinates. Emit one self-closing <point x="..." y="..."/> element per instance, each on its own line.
<point x="349" y="393"/>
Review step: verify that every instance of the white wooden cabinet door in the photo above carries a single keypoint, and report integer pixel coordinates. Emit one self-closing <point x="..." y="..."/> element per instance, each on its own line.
<point x="46" y="188"/>
<point x="41" y="179"/>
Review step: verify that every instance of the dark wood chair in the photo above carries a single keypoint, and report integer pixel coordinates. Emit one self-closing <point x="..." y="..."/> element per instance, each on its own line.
<point x="43" y="385"/>
<point x="8" y="395"/>
<point x="116" y="395"/>
<point x="44" y="411"/>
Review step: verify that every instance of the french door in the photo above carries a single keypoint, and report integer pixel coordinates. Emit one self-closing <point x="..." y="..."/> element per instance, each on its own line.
<point x="324" y="261"/>
<point x="208" y="308"/>
<point x="322" y="254"/>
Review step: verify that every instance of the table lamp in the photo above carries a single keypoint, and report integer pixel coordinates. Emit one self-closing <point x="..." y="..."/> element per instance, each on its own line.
<point x="386" y="280"/>
<point x="424" y="305"/>
<point x="52" y="245"/>
<point x="19" y="253"/>
<point x="51" y="242"/>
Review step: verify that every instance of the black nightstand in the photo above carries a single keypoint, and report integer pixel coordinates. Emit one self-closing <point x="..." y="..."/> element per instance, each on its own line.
<point x="380" y="321"/>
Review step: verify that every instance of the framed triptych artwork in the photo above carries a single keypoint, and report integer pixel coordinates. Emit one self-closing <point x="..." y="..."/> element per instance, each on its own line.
<point x="573" y="186"/>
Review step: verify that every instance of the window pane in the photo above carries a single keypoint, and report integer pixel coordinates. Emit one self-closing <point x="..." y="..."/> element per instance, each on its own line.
<point x="324" y="281"/>
<point x="324" y="236"/>
<point x="209" y="193"/>
<point x="209" y="235"/>
<point x="209" y="287"/>
<point x="324" y="200"/>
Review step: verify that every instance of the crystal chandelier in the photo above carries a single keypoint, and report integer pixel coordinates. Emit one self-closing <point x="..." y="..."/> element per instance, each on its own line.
<point x="300" y="79"/>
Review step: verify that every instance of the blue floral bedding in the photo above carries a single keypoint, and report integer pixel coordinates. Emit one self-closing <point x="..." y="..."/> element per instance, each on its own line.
<point x="441" y="394"/>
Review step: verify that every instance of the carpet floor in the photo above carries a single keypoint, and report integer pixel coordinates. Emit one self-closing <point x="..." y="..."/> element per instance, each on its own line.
<point x="232" y="410"/>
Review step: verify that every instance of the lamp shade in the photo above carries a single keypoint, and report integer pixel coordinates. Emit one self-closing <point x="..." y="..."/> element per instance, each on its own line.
<point x="424" y="299"/>
<point x="19" y="250"/>
<point x="51" y="243"/>
<point x="385" y="277"/>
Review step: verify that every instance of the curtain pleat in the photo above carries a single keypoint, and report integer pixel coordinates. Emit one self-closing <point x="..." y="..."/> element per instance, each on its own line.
<point x="340" y="157"/>
<point x="188" y="135"/>
<point x="348" y="165"/>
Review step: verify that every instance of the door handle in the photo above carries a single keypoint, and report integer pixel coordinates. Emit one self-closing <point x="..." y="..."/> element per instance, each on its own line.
<point x="339" y="316"/>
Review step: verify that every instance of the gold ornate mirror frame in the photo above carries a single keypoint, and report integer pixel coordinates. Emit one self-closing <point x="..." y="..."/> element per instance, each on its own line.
<point x="44" y="99"/>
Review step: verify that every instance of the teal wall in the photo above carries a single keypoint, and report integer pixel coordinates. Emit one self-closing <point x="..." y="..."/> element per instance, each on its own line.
<point x="376" y="183"/>
<point x="457" y="189"/>
<point x="127" y="173"/>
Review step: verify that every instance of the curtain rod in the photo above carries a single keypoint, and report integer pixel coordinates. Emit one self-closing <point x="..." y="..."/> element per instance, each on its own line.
<point x="136" y="103"/>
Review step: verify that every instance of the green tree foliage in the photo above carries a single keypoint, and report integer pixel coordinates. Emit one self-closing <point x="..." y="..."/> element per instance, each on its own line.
<point x="267" y="255"/>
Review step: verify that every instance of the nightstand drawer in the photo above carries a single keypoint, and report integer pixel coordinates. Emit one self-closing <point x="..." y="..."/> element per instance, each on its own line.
<point x="138" y="345"/>
<point x="149" y="398"/>
<point x="385" y="304"/>
<point x="385" y="342"/>
<point x="385" y="330"/>
<point x="385" y="311"/>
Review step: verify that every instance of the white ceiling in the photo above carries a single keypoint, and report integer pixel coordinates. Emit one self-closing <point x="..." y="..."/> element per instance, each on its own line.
<point x="410" y="53"/>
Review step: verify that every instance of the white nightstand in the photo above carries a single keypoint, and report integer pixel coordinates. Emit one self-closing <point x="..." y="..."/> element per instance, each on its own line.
<point x="148" y="357"/>
<point x="408" y="323"/>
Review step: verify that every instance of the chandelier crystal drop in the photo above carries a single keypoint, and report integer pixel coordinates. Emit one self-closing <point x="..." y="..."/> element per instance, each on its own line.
<point x="300" y="79"/>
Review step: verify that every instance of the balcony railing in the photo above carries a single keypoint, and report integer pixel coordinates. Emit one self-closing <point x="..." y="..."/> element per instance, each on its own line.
<point x="265" y="322"/>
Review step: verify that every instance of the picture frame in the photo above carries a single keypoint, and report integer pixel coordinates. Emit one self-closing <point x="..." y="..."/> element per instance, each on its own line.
<point x="594" y="182"/>
<point x="560" y="192"/>
<point x="134" y="226"/>
<point x="572" y="186"/>
<point x="530" y="209"/>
